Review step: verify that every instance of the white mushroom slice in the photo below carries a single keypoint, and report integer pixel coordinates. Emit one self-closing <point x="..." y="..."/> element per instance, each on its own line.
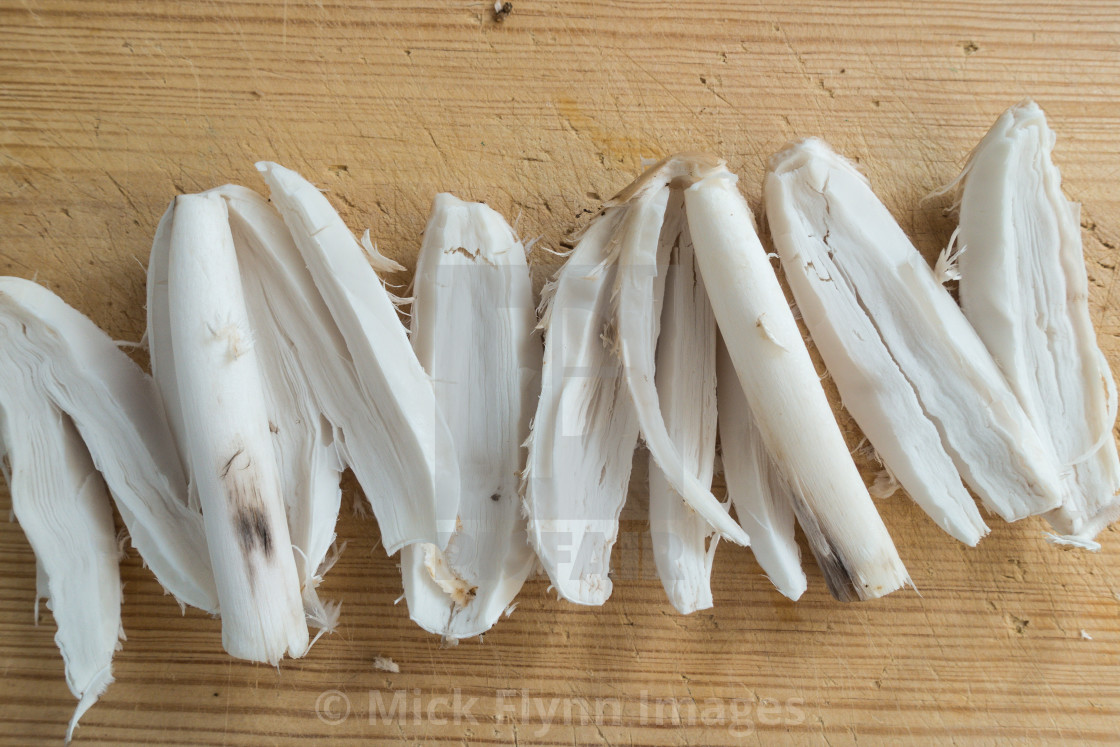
<point x="61" y="504"/>
<point x="1024" y="287"/>
<point x="76" y="412"/>
<point x="295" y="339"/>
<point x="684" y="544"/>
<point x="585" y="430"/>
<point x="473" y="330"/>
<point x="877" y="393"/>
<point x="226" y="438"/>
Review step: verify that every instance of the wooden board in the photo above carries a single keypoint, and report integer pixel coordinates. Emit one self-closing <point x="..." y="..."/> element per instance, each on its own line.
<point x="108" y="109"/>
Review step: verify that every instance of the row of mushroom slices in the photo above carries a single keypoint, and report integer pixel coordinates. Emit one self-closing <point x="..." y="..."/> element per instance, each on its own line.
<point x="487" y="440"/>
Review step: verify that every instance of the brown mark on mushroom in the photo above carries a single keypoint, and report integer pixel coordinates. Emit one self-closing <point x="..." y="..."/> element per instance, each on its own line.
<point x="837" y="574"/>
<point x="464" y="251"/>
<point x="224" y="472"/>
<point x="253" y="531"/>
<point x="247" y="505"/>
<point x="475" y="256"/>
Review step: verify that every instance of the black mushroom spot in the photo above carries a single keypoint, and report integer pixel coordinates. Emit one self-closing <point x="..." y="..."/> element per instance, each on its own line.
<point x="253" y="531"/>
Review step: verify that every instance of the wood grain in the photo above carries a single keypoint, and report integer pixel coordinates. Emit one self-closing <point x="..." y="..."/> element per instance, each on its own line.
<point x="108" y="109"/>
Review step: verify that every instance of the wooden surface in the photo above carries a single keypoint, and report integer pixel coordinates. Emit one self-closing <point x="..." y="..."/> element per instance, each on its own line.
<point x="108" y="109"/>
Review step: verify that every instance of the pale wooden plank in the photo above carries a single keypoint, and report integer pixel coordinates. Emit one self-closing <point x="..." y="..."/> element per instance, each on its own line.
<point x="108" y="109"/>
